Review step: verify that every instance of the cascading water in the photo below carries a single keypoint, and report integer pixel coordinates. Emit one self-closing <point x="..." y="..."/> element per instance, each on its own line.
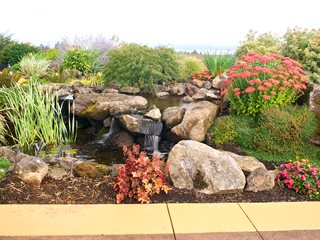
<point x="152" y="138"/>
<point x="113" y="129"/>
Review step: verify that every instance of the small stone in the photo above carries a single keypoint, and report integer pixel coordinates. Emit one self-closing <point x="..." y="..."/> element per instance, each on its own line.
<point x="259" y="180"/>
<point x="154" y="114"/>
<point x="57" y="173"/>
<point x="201" y="94"/>
<point x="162" y="94"/>
<point x="187" y="99"/>
<point x="91" y="170"/>
<point x="32" y="170"/>
<point x="197" y="83"/>
<point x="129" y="90"/>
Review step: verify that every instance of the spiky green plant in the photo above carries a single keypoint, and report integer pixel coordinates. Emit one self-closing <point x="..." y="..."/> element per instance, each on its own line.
<point x="34" y="65"/>
<point x="36" y="115"/>
<point x="3" y="130"/>
<point x="218" y="63"/>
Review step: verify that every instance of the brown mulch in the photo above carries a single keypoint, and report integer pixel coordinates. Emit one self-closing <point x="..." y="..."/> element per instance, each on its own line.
<point x="98" y="191"/>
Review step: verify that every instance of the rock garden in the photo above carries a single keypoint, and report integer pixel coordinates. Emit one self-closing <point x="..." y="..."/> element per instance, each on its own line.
<point x="133" y="124"/>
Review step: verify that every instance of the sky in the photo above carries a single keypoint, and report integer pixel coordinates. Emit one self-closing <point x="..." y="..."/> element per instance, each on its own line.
<point x="182" y="24"/>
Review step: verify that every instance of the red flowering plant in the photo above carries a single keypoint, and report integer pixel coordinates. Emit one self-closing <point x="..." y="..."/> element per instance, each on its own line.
<point x="302" y="177"/>
<point x="260" y="81"/>
<point x="202" y="75"/>
<point x="140" y="177"/>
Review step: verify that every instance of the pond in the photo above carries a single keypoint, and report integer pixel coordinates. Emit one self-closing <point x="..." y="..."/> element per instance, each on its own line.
<point x="89" y="147"/>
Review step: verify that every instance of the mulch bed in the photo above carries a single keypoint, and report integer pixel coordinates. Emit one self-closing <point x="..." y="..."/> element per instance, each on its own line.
<point x="98" y="191"/>
<point x="80" y="190"/>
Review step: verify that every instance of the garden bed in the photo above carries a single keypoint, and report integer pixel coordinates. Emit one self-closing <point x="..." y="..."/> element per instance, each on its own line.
<point x="100" y="191"/>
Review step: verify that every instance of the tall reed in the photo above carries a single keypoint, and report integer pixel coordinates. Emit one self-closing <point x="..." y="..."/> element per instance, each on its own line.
<point x="36" y="115"/>
<point x="218" y="64"/>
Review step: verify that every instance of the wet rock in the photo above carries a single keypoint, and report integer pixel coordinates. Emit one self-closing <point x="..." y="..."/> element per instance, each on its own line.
<point x="91" y="170"/>
<point x="98" y="106"/>
<point x="57" y="173"/>
<point x="178" y="89"/>
<point x="107" y="122"/>
<point x="119" y="139"/>
<point x="129" y="90"/>
<point x="32" y="170"/>
<point x="194" y="165"/>
<point x="201" y="94"/>
<point x="198" y="83"/>
<point x="196" y="121"/>
<point x="260" y="180"/>
<point x="191" y="89"/>
<point x="137" y="124"/>
<point x="172" y="116"/>
<point x="187" y="99"/>
<point x="63" y="92"/>
<point x="154" y="114"/>
<point x="162" y="94"/>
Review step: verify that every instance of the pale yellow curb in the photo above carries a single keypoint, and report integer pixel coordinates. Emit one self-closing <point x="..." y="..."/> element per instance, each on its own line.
<point x="284" y="216"/>
<point x="68" y="220"/>
<point x="209" y="218"/>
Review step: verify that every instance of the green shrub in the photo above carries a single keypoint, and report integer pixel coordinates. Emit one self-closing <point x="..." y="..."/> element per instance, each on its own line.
<point x="277" y="133"/>
<point x="304" y="47"/>
<point x="34" y="65"/>
<point x="4" y="167"/>
<point x="223" y="130"/>
<point x="188" y="65"/>
<point x="284" y="129"/>
<point x="141" y="66"/>
<point x="265" y="43"/>
<point x="61" y="76"/>
<point x="36" y="116"/>
<point x="13" y="53"/>
<point x="51" y="54"/>
<point x="218" y="64"/>
<point x="260" y="81"/>
<point x="8" y="78"/>
<point x="79" y="59"/>
<point x="90" y="80"/>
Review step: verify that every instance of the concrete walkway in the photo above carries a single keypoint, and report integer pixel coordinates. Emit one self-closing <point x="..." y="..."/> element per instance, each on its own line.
<point x="226" y="221"/>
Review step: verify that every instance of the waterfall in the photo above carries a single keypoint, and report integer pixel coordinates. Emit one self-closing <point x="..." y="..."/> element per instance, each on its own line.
<point x="151" y="143"/>
<point x="113" y="129"/>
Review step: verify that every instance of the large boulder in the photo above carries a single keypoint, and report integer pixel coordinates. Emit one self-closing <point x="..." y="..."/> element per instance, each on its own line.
<point x="98" y="106"/>
<point x="119" y="139"/>
<point x="172" y="116"/>
<point x="137" y="124"/>
<point x="194" y="165"/>
<point x="196" y="121"/>
<point x="32" y="170"/>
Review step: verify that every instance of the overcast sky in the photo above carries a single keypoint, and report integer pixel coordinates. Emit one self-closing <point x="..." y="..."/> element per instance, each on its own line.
<point x="176" y="23"/>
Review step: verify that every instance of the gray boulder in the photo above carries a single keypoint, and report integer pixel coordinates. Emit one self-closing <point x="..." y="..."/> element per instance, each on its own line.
<point x="260" y="180"/>
<point x="194" y="165"/>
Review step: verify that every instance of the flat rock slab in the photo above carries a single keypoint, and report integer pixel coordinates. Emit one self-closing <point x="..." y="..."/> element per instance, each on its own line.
<point x="98" y="105"/>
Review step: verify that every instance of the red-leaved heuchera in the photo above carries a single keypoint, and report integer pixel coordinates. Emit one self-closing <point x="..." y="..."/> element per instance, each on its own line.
<point x="140" y="177"/>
